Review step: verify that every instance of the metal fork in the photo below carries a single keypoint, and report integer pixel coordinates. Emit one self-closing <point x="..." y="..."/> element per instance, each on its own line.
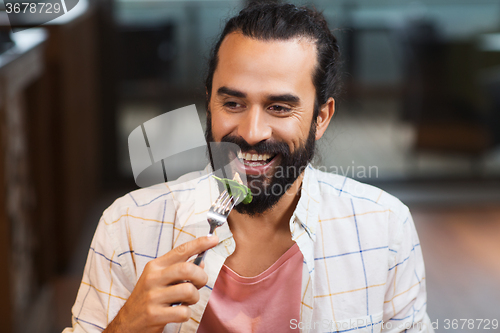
<point x="217" y="216"/>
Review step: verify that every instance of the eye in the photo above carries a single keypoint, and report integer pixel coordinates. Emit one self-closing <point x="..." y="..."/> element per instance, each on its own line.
<point x="233" y="106"/>
<point x="279" y="109"/>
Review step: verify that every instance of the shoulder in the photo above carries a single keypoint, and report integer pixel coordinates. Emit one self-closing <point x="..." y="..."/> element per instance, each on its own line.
<point x="142" y="221"/>
<point x="149" y="197"/>
<point x="341" y="189"/>
<point x="378" y="216"/>
<point x="142" y="210"/>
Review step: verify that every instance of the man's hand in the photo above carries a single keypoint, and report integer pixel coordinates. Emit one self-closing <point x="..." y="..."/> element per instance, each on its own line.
<point x="162" y="283"/>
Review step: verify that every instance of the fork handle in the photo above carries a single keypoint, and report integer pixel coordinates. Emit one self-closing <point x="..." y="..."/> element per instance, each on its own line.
<point x="199" y="258"/>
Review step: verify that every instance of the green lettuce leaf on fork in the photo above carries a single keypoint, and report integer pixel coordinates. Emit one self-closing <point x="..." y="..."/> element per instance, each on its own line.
<point x="236" y="189"/>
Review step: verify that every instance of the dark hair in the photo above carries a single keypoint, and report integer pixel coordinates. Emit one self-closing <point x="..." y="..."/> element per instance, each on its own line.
<point x="268" y="21"/>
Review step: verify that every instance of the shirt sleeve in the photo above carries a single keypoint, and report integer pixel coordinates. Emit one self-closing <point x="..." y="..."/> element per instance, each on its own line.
<point x="406" y="296"/>
<point x="105" y="285"/>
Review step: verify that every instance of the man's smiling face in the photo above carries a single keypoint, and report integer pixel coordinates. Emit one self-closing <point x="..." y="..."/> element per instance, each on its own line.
<point x="263" y="99"/>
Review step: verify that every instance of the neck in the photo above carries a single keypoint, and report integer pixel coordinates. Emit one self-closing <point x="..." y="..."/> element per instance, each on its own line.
<point x="273" y="220"/>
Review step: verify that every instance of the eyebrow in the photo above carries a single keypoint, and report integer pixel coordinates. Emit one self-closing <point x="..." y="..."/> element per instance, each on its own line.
<point x="284" y="98"/>
<point x="274" y="98"/>
<point x="230" y="92"/>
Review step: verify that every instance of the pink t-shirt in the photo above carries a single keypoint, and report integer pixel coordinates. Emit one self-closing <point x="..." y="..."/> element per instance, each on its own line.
<point x="263" y="303"/>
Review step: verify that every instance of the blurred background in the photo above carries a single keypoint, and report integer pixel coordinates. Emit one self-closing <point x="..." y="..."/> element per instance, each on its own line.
<point x="419" y="117"/>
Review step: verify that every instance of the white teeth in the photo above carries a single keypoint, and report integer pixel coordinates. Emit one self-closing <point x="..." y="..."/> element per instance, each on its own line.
<point x="240" y="155"/>
<point x="254" y="157"/>
<point x="264" y="157"/>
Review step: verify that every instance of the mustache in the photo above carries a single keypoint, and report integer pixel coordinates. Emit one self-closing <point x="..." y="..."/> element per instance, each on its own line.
<point x="263" y="147"/>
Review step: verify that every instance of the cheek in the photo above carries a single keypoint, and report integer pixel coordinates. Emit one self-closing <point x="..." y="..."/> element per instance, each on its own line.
<point x="293" y="131"/>
<point x="221" y="126"/>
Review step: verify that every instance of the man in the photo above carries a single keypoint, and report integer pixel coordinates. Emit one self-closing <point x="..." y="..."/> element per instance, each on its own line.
<point x="313" y="251"/>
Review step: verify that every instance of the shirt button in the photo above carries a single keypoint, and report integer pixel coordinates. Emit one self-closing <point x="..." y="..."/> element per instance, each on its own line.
<point x="227" y="242"/>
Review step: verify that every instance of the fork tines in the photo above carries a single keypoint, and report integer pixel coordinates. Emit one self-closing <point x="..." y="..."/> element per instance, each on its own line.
<point x="223" y="202"/>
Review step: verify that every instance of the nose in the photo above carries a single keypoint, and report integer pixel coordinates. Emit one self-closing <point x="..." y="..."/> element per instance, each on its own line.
<point x="253" y="127"/>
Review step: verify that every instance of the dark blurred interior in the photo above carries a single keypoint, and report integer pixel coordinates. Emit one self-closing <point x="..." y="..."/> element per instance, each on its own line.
<point x="419" y="117"/>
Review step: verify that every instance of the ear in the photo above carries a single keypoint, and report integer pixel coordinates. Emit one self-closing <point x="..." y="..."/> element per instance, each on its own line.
<point x="325" y="115"/>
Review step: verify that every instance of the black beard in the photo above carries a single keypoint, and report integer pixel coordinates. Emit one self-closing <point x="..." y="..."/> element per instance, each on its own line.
<point x="266" y="191"/>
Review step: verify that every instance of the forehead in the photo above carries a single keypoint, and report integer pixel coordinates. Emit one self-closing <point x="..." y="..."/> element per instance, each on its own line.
<point x="262" y="65"/>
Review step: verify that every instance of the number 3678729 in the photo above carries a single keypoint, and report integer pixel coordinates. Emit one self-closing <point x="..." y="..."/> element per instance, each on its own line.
<point x="472" y="324"/>
<point x="32" y="7"/>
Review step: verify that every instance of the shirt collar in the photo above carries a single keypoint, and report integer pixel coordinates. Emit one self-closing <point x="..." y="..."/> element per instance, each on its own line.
<point x="307" y="210"/>
<point x="304" y="220"/>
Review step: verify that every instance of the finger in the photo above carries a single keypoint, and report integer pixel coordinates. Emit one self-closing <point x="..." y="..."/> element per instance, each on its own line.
<point x="184" y="293"/>
<point x="184" y="251"/>
<point x="178" y="314"/>
<point x="184" y="271"/>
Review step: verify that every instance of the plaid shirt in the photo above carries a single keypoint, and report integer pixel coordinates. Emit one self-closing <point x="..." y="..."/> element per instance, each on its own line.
<point x="363" y="269"/>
